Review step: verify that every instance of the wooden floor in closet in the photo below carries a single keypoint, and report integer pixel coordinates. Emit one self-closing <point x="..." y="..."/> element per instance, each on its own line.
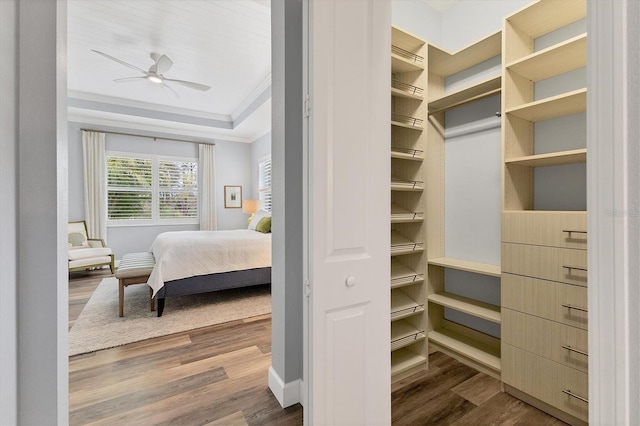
<point x="168" y="381"/>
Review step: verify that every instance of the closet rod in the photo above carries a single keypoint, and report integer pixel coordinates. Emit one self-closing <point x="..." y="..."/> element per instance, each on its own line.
<point x="145" y="136"/>
<point x="466" y="101"/>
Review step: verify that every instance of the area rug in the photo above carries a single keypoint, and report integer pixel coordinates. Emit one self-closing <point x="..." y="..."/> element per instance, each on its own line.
<point x="100" y="327"/>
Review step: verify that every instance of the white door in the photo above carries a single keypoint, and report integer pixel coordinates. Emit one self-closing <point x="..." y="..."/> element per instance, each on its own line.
<point x="348" y="215"/>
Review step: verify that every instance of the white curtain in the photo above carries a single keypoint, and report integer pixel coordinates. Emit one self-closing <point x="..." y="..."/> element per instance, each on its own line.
<point x="95" y="184"/>
<point x="207" y="172"/>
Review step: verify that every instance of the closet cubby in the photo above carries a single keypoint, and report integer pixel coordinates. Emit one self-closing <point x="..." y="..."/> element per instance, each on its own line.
<point x="465" y="343"/>
<point x="408" y="207"/>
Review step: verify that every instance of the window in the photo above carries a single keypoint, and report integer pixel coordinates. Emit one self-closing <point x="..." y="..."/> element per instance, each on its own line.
<point x="145" y="189"/>
<point x="264" y="184"/>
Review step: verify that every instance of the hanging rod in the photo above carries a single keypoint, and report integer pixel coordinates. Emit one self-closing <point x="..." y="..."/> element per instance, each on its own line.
<point x="466" y="101"/>
<point x="145" y="136"/>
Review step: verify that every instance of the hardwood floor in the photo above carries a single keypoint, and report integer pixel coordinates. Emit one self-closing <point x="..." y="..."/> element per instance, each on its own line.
<point x="218" y="376"/>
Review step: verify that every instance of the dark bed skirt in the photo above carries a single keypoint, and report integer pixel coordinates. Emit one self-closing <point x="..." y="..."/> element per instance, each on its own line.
<point x="212" y="282"/>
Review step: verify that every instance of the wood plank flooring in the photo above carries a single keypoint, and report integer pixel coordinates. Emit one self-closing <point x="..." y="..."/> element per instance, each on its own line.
<point x="218" y="376"/>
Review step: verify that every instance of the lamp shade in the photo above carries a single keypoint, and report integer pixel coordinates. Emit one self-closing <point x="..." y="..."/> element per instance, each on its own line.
<point x="250" y="206"/>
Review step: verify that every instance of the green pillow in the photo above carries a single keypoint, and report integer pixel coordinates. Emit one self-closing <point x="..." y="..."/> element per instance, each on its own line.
<point x="264" y="225"/>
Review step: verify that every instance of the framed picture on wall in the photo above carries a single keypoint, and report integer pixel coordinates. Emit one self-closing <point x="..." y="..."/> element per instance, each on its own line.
<point x="232" y="196"/>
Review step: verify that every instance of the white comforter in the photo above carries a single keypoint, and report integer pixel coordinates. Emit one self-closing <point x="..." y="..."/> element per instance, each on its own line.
<point x="186" y="254"/>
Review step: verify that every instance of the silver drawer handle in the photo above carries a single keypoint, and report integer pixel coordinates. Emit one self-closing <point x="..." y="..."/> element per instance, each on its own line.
<point x="564" y="305"/>
<point x="571" y="268"/>
<point x="569" y="348"/>
<point x="573" y="395"/>
<point x="573" y="231"/>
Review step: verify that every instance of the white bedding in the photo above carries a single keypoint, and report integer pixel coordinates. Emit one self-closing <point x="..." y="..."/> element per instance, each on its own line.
<point x="186" y="254"/>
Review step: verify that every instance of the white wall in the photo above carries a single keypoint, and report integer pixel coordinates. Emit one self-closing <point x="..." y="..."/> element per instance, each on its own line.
<point x="418" y="18"/>
<point x="233" y="167"/>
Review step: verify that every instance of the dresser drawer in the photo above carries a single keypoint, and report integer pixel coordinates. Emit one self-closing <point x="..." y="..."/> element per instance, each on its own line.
<point x="549" y="263"/>
<point x="562" y="387"/>
<point x="548" y="299"/>
<point x="555" y="229"/>
<point x="561" y="343"/>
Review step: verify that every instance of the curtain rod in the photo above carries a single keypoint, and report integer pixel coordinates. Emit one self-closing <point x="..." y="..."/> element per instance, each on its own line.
<point x="144" y="136"/>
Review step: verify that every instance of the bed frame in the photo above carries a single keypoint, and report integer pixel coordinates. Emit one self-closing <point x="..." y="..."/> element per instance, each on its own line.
<point x="212" y="282"/>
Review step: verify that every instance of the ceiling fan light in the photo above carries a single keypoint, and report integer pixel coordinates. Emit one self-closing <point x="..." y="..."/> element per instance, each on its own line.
<point x="154" y="79"/>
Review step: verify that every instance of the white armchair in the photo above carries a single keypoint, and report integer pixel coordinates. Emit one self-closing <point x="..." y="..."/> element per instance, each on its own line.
<point x="84" y="252"/>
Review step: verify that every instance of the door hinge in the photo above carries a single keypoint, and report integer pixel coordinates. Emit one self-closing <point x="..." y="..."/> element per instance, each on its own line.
<point x="306" y="106"/>
<point x="307" y="288"/>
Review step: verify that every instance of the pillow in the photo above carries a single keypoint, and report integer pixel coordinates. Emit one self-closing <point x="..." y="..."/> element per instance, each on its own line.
<point x="77" y="241"/>
<point x="256" y="218"/>
<point x="264" y="225"/>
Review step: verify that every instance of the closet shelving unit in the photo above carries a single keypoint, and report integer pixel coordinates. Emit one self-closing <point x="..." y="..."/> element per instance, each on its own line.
<point x="550" y="370"/>
<point x="408" y="206"/>
<point x="469" y="346"/>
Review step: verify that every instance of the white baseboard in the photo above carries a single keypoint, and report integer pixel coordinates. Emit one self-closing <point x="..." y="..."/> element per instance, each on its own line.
<point x="287" y="394"/>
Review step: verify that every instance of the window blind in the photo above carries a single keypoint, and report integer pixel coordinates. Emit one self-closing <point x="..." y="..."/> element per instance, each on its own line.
<point x="264" y="185"/>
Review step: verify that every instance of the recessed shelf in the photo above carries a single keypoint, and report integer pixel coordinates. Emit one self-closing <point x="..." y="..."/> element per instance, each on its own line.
<point x="401" y="215"/>
<point x="555" y="60"/>
<point x="468" y="266"/>
<point x="471" y="93"/>
<point x="402" y="276"/>
<point x="445" y="64"/>
<point x="551" y="159"/>
<point x="468" y="306"/>
<point x="398" y="184"/>
<point x="553" y="107"/>
<point x="402" y="245"/>
<point x="540" y="18"/>
<point x="407" y="153"/>
<point x="481" y="353"/>
<point x="404" y="334"/>
<point x="402" y="306"/>
<point x="404" y="359"/>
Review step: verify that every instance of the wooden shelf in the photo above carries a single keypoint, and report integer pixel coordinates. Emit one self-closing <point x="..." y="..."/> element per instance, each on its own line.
<point x="465" y="265"/>
<point x="406" y="126"/>
<point x="553" y="107"/>
<point x="402" y="276"/>
<point x="402" y="94"/>
<point x="481" y="353"/>
<point x="400" y="64"/>
<point x="398" y="184"/>
<point x="407" y="154"/>
<point x="401" y="215"/>
<point x="404" y="334"/>
<point x="405" y="39"/>
<point x="401" y="245"/>
<point x="403" y="360"/>
<point x="551" y="159"/>
<point x="545" y="16"/>
<point x="555" y="60"/>
<point x="445" y="64"/>
<point x="460" y="97"/>
<point x="402" y="306"/>
<point x="468" y="306"/>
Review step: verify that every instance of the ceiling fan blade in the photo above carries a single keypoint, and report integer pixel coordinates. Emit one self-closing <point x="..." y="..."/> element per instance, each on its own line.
<point x="190" y="84"/>
<point x="170" y="88"/>
<point x="128" y="79"/>
<point x="162" y="65"/>
<point x="126" y="64"/>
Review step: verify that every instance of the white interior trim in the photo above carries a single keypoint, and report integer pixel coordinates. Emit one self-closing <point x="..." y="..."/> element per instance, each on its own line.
<point x="614" y="210"/>
<point x="287" y="394"/>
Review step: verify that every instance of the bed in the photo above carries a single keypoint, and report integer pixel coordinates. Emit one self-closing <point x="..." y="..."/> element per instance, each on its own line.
<point x="191" y="262"/>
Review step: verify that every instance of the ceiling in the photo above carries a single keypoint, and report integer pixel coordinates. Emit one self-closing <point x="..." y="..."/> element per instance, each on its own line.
<point x="225" y="44"/>
<point x="441" y="5"/>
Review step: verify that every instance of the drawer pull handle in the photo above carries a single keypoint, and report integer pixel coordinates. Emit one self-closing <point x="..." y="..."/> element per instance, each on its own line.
<point x="569" y="348"/>
<point x="571" y="268"/>
<point x="573" y="395"/>
<point x="577" y="308"/>
<point x="573" y="231"/>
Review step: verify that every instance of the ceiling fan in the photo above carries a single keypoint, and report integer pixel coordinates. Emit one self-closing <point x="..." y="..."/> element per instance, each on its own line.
<point x="155" y="74"/>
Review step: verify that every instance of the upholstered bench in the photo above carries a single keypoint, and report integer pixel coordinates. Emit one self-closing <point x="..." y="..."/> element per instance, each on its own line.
<point x="134" y="268"/>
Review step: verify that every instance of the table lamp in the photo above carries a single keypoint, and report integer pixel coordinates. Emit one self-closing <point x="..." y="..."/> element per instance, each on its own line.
<point x="250" y="206"/>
